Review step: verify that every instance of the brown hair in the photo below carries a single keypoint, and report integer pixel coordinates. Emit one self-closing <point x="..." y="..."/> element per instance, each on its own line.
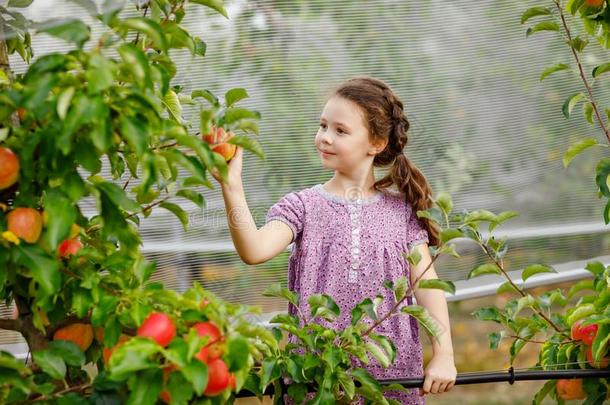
<point x="385" y="117"/>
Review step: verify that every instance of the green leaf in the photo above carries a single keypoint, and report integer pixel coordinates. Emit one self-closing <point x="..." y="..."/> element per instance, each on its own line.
<point x="602" y="171"/>
<point x="19" y="3"/>
<point x="207" y="95"/>
<point x="488" y="314"/>
<point x="421" y="314"/>
<point x="50" y="363"/>
<point x="413" y="257"/>
<point x="100" y="73"/>
<point x="136" y="61"/>
<point x="193" y="196"/>
<point x="556" y="68"/>
<point x="449" y="234"/>
<point x="135" y="132"/>
<point x="68" y="351"/>
<point x="580" y="312"/>
<point x="63" y="102"/>
<point x="444" y="201"/>
<point x="507" y="287"/>
<point x="237" y="352"/>
<point x="132" y="356"/>
<point x="534" y="12"/>
<point x="61" y="214"/>
<point x="149" y="28"/>
<point x="324" y="306"/>
<point x="235" y="114"/>
<point x="173" y="106"/>
<point x="45" y="271"/>
<point x="587" y="110"/>
<point x="178" y="212"/>
<point x="487" y="268"/>
<point x="377" y="353"/>
<point x="234" y="95"/>
<point x="271" y="371"/>
<point x="535" y="269"/>
<point x="570" y="103"/>
<point x="600" y="69"/>
<point x="400" y="288"/>
<point x="71" y="30"/>
<point x="437" y="284"/>
<point x="578" y="43"/>
<point x="117" y="195"/>
<point x="276" y="290"/>
<point x="248" y="144"/>
<point x="595" y="267"/>
<point x="494" y="339"/>
<point x="386" y="344"/>
<point x="217" y="5"/>
<point x="145" y="387"/>
<point x="543" y="26"/>
<point x="480" y="215"/>
<point x="572" y="6"/>
<point x="586" y="284"/>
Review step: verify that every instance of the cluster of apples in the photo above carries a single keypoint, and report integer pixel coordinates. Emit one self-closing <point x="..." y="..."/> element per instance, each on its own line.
<point x="159" y="327"/>
<point x="217" y="139"/>
<point x="572" y="388"/>
<point x="26" y="223"/>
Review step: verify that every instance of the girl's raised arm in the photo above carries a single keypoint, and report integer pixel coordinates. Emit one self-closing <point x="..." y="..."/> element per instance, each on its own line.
<point x="253" y="245"/>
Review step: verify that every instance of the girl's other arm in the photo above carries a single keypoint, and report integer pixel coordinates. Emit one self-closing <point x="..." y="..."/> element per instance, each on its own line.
<point x="433" y="300"/>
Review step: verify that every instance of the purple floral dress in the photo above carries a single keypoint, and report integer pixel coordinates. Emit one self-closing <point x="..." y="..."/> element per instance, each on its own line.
<point x="347" y="248"/>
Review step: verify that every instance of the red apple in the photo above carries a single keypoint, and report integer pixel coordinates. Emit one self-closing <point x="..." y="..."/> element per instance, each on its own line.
<point x="603" y="363"/>
<point x="69" y="247"/>
<point x="25" y="223"/>
<point x="217" y="139"/>
<point x="594" y="3"/>
<point x="218" y="377"/>
<point x="212" y="350"/>
<point x="9" y="168"/>
<point x="588" y="333"/>
<point x="570" y="389"/>
<point x="159" y="327"/>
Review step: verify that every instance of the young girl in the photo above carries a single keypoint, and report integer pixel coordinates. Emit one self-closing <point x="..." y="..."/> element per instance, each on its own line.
<point x="349" y="233"/>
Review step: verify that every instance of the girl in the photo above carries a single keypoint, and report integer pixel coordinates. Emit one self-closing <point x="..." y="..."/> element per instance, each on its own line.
<point x="349" y="233"/>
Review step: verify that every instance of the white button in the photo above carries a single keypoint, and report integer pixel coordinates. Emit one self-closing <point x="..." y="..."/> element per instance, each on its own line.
<point x="355" y="250"/>
<point x="356" y="231"/>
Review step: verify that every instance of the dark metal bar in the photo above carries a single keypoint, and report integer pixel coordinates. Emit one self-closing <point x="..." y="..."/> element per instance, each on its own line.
<point x="509" y="376"/>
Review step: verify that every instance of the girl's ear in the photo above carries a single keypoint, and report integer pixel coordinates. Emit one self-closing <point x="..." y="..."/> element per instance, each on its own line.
<point x="378" y="146"/>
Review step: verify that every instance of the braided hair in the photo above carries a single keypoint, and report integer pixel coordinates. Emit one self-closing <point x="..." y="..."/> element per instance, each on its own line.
<point x="386" y="119"/>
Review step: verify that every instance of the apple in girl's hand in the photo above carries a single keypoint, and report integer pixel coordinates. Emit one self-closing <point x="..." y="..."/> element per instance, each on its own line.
<point x="217" y="139"/>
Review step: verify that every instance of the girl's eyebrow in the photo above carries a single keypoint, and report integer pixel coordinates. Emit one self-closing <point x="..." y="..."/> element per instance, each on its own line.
<point x="339" y="123"/>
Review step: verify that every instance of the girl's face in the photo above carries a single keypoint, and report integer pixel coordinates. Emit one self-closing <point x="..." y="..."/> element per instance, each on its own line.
<point x="344" y="135"/>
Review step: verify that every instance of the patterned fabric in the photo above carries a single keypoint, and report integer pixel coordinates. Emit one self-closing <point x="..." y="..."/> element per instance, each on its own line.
<point x="347" y="248"/>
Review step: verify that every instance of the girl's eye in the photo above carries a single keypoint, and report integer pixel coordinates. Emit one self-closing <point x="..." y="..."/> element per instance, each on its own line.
<point x="323" y="125"/>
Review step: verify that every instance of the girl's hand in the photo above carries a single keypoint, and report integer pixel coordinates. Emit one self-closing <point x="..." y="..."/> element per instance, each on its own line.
<point x="235" y="165"/>
<point x="439" y="375"/>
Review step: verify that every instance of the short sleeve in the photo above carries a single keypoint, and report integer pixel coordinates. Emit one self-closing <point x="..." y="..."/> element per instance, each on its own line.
<point x="290" y="210"/>
<point x="416" y="233"/>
